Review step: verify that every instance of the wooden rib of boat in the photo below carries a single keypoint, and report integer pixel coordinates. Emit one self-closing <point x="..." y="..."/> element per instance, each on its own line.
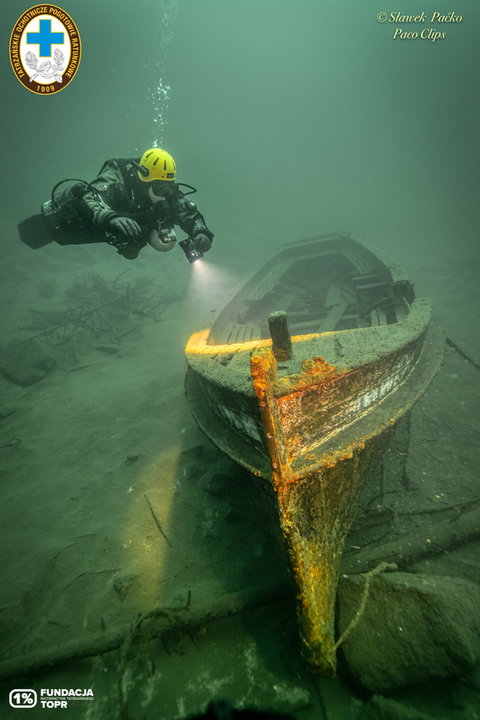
<point x="313" y="419"/>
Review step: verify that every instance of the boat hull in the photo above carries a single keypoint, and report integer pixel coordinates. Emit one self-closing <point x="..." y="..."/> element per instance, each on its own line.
<point x="314" y="426"/>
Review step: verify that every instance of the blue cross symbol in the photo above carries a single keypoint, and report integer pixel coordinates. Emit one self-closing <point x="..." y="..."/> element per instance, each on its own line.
<point x="45" y="38"/>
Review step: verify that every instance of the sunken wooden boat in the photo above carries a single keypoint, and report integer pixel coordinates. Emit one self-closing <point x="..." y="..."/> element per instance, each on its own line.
<point x="309" y="404"/>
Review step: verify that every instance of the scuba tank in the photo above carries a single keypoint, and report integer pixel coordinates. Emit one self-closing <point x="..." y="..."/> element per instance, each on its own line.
<point x="63" y="219"/>
<point x="66" y="216"/>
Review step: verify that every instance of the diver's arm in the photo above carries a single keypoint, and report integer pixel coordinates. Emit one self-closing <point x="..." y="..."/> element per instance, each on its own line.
<point x="190" y="219"/>
<point x="109" y="189"/>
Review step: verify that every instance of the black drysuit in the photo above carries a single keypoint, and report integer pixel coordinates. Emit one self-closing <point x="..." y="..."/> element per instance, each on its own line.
<point x="120" y="193"/>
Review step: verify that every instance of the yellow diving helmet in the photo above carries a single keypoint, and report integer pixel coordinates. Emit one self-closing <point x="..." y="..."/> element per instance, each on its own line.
<point x="157" y="164"/>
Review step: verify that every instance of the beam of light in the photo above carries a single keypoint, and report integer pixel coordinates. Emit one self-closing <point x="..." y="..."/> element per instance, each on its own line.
<point x="208" y="285"/>
<point x="147" y="548"/>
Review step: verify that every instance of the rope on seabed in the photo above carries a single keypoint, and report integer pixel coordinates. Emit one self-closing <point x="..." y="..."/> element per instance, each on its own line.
<point x="462" y="354"/>
<point x="355" y="620"/>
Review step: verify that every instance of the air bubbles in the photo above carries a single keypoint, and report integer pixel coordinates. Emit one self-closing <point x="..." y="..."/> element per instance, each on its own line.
<point x="160" y="93"/>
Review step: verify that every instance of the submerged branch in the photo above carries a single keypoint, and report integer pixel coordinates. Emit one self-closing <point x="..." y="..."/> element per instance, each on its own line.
<point x="157" y="521"/>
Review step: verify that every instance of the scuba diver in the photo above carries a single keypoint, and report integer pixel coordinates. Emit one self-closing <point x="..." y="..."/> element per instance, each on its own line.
<point x="131" y="203"/>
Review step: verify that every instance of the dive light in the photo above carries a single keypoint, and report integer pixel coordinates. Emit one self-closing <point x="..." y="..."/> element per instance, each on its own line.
<point x="191" y="253"/>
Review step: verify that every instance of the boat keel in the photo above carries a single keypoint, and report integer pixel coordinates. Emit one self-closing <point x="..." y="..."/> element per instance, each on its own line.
<point x="316" y="511"/>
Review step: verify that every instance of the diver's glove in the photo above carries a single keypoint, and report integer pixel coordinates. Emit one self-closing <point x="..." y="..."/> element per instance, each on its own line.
<point x="202" y="242"/>
<point x="125" y="227"/>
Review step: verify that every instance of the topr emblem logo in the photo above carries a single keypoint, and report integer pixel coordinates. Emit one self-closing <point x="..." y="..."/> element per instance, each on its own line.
<point x="45" y="49"/>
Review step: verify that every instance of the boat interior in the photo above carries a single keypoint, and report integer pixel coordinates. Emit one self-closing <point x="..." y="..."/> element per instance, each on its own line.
<point x="322" y="285"/>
